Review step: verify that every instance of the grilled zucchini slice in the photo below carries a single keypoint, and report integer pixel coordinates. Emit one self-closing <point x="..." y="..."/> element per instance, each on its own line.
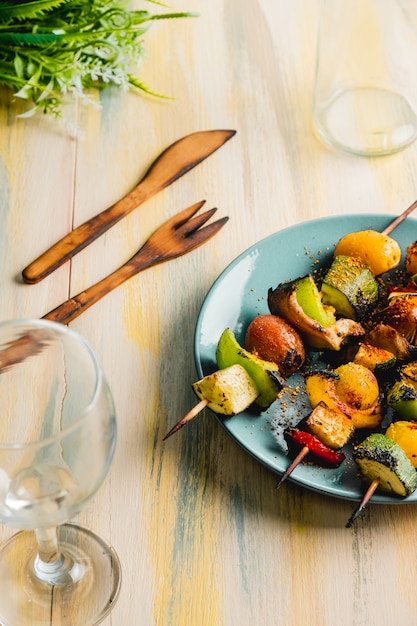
<point x="374" y="358"/>
<point x="402" y="397"/>
<point x="350" y="287"/>
<point x="378" y="457"/>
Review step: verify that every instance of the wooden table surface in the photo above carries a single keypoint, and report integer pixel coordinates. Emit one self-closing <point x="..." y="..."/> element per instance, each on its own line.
<point x="203" y="536"/>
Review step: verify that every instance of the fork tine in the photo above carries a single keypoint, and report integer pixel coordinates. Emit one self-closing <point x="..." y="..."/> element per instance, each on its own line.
<point x="204" y="234"/>
<point x="179" y="219"/>
<point x="194" y="224"/>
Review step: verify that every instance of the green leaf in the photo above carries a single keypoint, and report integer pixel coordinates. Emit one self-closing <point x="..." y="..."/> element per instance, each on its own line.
<point x="9" y="80"/>
<point x="167" y="16"/>
<point x="25" y="92"/>
<point x="19" y="66"/>
<point x="27" y="9"/>
<point x="25" y="39"/>
<point x="139" y="85"/>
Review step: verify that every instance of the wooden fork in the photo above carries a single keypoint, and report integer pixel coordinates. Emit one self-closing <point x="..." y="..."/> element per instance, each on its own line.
<point x="177" y="236"/>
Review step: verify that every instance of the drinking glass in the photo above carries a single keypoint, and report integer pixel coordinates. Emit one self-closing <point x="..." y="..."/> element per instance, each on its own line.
<point x="365" y="92"/>
<point x="57" y="438"/>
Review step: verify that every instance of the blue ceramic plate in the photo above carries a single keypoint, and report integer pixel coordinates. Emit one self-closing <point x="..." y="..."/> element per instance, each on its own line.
<point x="238" y="295"/>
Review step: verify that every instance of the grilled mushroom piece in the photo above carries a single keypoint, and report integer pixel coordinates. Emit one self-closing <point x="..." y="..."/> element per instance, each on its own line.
<point x="401" y="314"/>
<point x="388" y="338"/>
<point x="327" y="334"/>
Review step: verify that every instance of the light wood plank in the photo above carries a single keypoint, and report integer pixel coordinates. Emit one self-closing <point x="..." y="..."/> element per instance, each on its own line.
<point x="203" y="536"/>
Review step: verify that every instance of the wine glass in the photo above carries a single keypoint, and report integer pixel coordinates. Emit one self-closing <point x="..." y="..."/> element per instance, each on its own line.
<point x="57" y="438"/>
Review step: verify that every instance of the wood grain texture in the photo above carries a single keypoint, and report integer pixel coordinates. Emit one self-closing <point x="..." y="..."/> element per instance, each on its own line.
<point x="203" y="536"/>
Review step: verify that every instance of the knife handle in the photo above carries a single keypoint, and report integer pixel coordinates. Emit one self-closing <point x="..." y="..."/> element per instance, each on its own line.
<point x="83" y="235"/>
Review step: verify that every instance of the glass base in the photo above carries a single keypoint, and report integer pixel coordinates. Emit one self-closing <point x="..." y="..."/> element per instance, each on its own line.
<point x="84" y="595"/>
<point x="366" y="122"/>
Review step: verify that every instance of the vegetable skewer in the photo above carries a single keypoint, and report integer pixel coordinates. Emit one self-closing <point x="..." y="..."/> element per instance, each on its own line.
<point x="228" y="391"/>
<point x="383" y="463"/>
<point x="308" y="444"/>
<point x="243" y="378"/>
<point x="319" y="436"/>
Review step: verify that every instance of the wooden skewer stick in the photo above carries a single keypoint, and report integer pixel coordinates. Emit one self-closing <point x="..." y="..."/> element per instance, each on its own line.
<point x="187" y="418"/>
<point x="369" y="493"/>
<point x="303" y="452"/>
<point x="399" y="219"/>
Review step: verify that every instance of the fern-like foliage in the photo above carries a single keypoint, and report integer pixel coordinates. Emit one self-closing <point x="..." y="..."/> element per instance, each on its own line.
<point x="54" y="50"/>
<point x="27" y="9"/>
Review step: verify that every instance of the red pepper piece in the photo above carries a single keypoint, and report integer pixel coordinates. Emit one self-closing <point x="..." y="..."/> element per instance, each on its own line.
<point x="318" y="452"/>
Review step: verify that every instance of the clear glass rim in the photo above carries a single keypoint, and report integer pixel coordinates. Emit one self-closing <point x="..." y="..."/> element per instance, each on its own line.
<point x="61" y="329"/>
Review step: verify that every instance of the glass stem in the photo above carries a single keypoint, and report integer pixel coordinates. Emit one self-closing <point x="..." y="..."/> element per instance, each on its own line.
<point x="50" y="563"/>
<point x="47" y="544"/>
